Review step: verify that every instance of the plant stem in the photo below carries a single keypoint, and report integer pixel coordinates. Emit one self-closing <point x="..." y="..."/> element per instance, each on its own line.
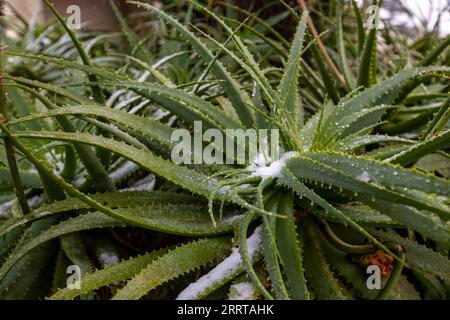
<point x="96" y="171"/>
<point x="342" y="245"/>
<point x="393" y="278"/>
<point x="9" y="148"/>
<point x="322" y="48"/>
<point x="104" y="155"/>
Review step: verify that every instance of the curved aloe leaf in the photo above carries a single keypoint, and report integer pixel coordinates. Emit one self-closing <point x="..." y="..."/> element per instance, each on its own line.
<point x="288" y="178"/>
<point x="421" y="149"/>
<point x="291" y="250"/>
<point x="155" y="210"/>
<point x="288" y="88"/>
<point x="419" y="257"/>
<point x="82" y="222"/>
<point x="123" y="270"/>
<point x="194" y="106"/>
<point x="173" y="264"/>
<point x="320" y="277"/>
<point x="149" y="127"/>
<point x="237" y="96"/>
<point x="224" y="271"/>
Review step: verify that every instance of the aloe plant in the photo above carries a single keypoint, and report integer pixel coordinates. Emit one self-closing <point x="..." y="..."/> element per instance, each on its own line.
<point x="358" y="182"/>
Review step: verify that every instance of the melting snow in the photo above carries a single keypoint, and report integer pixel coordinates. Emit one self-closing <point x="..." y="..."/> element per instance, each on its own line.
<point x="273" y="169"/>
<point x="124" y="171"/>
<point x="114" y="96"/>
<point x="108" y="258"/>
<point x="242" y="291"/>
<point x="232" y="219"/>
<point x="364" y="176"/>
<point x="5" y="209"/>
<point x="35" y="201"/>
<point x="145" y="184"/>
<point x="223" y="269"/>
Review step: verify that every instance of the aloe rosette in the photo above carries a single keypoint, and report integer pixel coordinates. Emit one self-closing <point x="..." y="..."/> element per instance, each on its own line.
<point x="346" y="192"/>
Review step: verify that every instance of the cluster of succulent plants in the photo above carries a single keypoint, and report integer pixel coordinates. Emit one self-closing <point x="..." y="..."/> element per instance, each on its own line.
<point x="87" y="180"/>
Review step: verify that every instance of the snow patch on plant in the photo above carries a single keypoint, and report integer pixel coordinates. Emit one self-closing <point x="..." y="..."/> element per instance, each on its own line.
<point x="232" y="219"/>
<point x="242" y="291"/>
<point x="5" y="209"/>
<point x="264" y="167"/>
<point x="108" y="258"/>
<point x="124" y="171"/>
<point x="223" y="270"/>
<point x="145" y="184"/>
<point x="365" y="176"/>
